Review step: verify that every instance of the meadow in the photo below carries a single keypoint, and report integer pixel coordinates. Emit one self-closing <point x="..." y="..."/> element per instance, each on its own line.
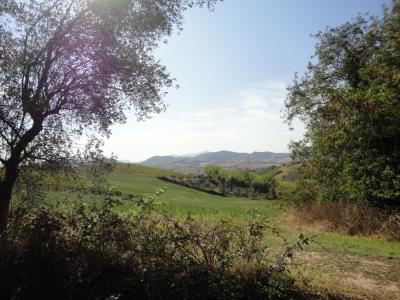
<point x="375" y="260"/>
<point x="182" y="201"/>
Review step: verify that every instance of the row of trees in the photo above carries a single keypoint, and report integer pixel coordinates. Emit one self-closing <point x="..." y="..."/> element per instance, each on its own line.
<point x="349" y="99"/>
<point x="257" y="183"/>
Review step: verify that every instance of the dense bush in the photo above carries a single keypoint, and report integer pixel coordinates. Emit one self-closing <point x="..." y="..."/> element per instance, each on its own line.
<point x="353" y="219"/>
<point x="233" y="181"/>
<point x="349" y="101"/>
<point x="85" y="252"/>
<point x="88" y="177"/>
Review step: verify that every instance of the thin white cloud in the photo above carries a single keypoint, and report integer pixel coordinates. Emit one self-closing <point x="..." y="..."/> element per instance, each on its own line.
<point x="268" y="95"/>
<point x="252" y="122"/>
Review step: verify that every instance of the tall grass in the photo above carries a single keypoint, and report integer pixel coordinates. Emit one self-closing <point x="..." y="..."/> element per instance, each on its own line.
<point x="353" y="219"/>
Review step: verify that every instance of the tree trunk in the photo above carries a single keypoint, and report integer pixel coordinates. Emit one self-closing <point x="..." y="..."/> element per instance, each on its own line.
<point x="6" y="187"/>
<point x="11" y="172"/>
<point x="5" y="199"/>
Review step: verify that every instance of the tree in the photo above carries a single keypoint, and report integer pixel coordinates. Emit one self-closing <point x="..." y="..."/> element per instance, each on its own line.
<point x="69" y="67"/>
<point x="349" y="99"/>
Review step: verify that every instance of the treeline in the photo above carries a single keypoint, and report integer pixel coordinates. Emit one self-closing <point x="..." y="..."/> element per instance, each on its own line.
<point x="232" y="181"/>
<point x="219" y="181"/>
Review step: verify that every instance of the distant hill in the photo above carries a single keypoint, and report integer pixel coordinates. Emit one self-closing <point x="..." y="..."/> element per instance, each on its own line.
<point x="228" y="159"/>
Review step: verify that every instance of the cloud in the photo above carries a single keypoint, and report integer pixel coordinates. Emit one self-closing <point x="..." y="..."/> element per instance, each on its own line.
<point x="265" y="96"/>
<point x="252" y="121"/>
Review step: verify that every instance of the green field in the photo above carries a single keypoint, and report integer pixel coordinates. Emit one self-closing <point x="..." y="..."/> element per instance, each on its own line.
<point x="182" y="201"/>
<point x="330" y="252"/>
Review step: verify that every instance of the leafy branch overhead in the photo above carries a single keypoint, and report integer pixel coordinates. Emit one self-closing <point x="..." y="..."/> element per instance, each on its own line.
<point x="67" y="67"/>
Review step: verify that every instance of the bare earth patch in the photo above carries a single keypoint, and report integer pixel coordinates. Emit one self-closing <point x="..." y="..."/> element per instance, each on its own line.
<point x="350" y="276"/>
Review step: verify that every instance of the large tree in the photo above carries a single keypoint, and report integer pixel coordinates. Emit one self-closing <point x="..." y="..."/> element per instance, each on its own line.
<point x="68" y="66"/>
<point x="349" y="99"/>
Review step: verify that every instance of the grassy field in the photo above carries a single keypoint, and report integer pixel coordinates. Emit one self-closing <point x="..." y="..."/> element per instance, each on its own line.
<point x="328" y="248"/>
<point x="183" y="201"/>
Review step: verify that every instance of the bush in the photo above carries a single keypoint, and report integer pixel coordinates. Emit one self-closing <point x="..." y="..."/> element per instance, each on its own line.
<point x="349" y="218"/>
<point x="348" y="99"/>
<point x="84" y="252"/>
<point x="241" y="183"/>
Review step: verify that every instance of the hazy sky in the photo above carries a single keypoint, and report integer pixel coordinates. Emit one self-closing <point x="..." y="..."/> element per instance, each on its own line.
<point x="233" y="66"/>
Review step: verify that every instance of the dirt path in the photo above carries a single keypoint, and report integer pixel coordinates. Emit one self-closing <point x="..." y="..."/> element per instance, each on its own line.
<point x="351" y="276"/>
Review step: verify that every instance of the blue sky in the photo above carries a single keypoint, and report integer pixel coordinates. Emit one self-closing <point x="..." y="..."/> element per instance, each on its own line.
<point x="233" y="66"/>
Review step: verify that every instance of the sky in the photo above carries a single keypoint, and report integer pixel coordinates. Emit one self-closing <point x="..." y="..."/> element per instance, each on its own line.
<point x="233" y="66"/>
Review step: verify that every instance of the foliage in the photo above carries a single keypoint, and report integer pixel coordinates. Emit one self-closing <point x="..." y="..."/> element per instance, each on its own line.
<point x="349" y="101"/>
<point x="349" y="219"/>
<point x="87" y="175"/>
<point x="252" y="181"/>
<point x="94" y="253"/>
<point x="73" y="67"/>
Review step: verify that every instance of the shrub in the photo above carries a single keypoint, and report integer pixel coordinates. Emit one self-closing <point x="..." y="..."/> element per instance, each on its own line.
<point x="84" y="252"/>
<point x="348" y="98"/>
<point x="240" y="183"/>
<point x="349" y="218"/>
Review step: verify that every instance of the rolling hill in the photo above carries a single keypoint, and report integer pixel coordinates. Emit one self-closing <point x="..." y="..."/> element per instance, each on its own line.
<point x="228" y="159"/>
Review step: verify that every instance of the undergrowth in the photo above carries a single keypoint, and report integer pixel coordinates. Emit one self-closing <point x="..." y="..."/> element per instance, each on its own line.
<point x="81" y="251"/>
<point x="353" y="219"/>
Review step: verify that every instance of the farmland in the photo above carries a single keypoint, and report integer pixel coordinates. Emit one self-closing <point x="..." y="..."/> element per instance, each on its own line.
<point x="328" y="255"/>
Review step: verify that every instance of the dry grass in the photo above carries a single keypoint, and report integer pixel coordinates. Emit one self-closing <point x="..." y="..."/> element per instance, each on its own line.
<point x="347" y="218"/>
<point x="350" y="276"/>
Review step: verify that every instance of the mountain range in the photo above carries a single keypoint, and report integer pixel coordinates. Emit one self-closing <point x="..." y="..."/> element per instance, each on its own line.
<point x="228" y="159"/>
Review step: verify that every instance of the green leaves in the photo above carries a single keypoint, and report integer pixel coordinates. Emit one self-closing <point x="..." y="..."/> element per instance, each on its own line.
<point x="73" y="67"/>
<point x="349" y="100"/>
<point x="253" y="182"/>
<point x="83" y="251"/>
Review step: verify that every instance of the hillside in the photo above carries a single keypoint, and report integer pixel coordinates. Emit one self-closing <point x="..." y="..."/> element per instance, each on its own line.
<point x="227" y="159"/>
<point x="330" y="254"/>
